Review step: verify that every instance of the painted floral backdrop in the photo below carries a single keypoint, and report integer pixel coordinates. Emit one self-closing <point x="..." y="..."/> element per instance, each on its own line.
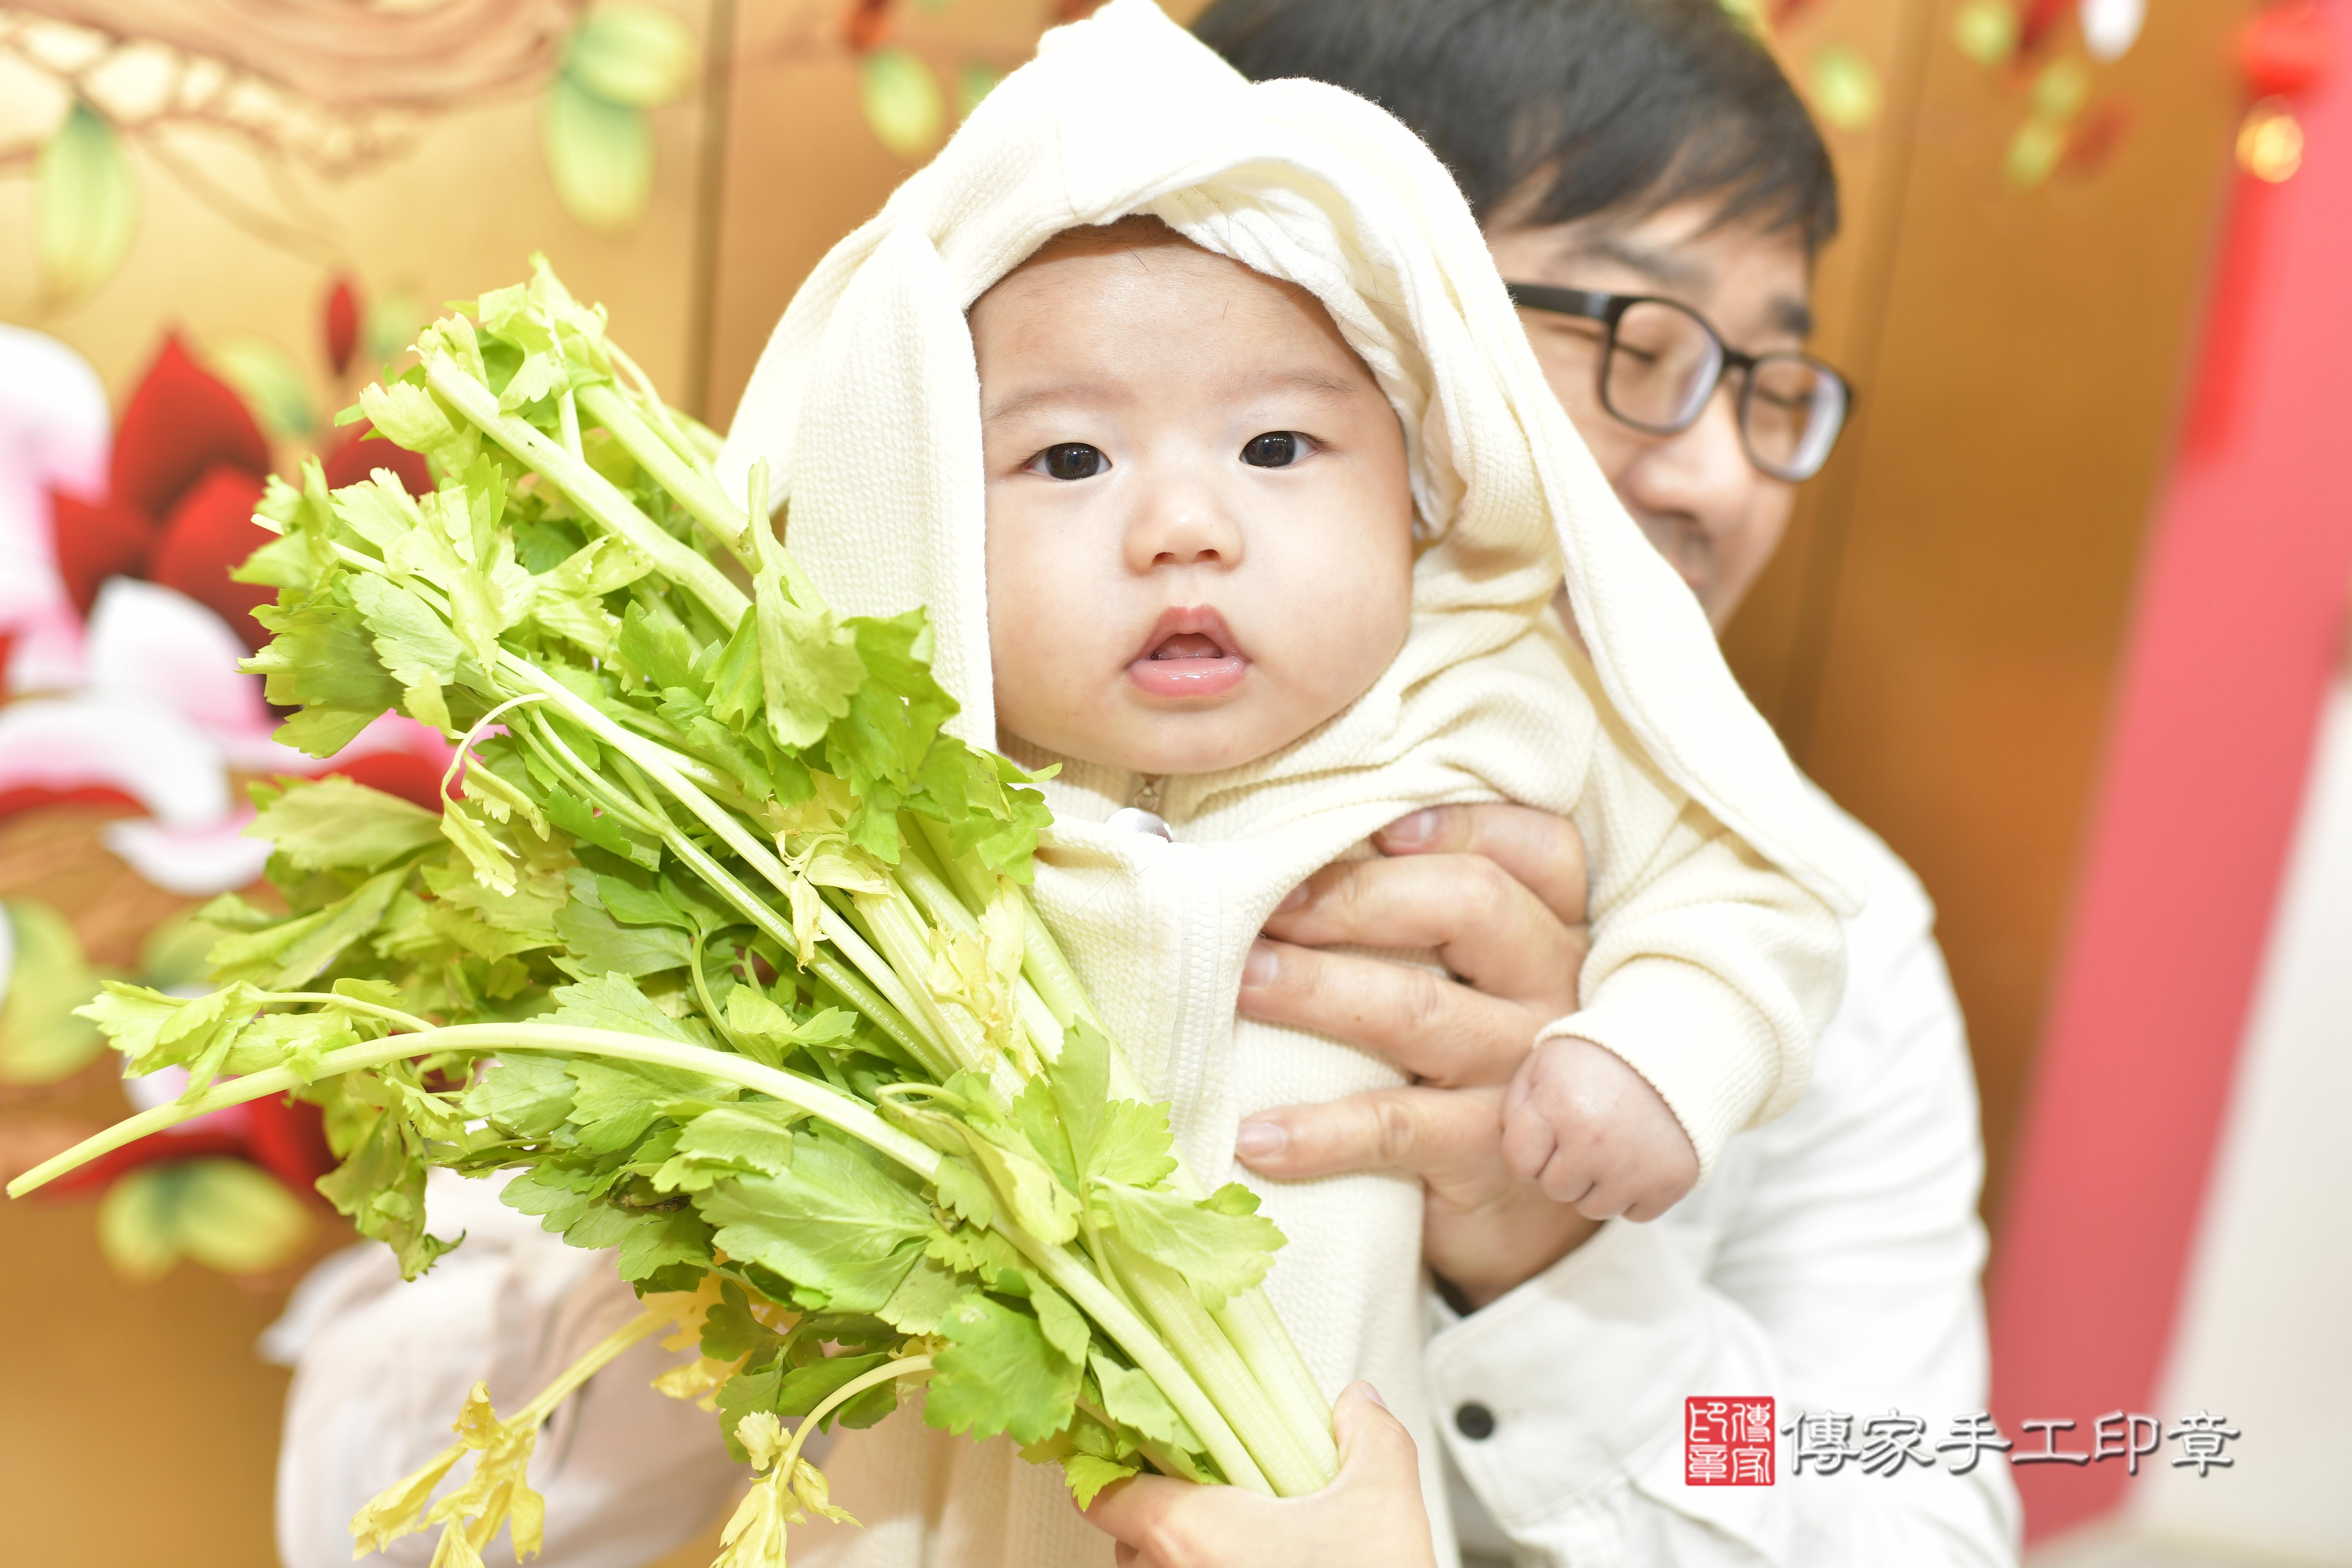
<point x="218" y="217"/>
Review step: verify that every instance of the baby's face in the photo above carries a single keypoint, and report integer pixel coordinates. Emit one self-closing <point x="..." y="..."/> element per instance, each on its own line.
<point x="1198" y="523"/>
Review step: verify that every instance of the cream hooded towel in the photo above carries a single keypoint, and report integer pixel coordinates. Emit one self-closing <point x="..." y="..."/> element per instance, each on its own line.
<point x="1716" y="952"/>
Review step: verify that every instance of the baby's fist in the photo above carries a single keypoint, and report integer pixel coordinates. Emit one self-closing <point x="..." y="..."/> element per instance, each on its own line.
<point x="1590" y="1130"/>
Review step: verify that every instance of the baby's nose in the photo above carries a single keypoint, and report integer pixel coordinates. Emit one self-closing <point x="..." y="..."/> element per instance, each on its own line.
<point x="1188" y="530"/>
<point x="1187" y="554"/>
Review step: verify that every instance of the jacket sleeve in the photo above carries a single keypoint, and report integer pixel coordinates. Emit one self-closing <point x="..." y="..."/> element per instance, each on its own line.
<point x="1835" y="1265"/>
<point x="380" y="1369"/>
<point x="1711" y="970"/>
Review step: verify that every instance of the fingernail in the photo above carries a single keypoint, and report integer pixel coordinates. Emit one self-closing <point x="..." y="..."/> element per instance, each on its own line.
<point x="1373" y="1394"/>
<point x="1261" y="1140"/>
<point x="1412" y="832"/>
<point x="1263" y="964"/>
<point x="1292" y="899"/>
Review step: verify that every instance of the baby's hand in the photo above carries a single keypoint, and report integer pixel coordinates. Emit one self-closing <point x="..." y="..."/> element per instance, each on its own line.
<point x="1590" y="1131"/>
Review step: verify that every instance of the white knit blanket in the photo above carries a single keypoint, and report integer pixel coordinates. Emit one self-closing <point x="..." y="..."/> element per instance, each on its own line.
<point x="1715" y="875"/>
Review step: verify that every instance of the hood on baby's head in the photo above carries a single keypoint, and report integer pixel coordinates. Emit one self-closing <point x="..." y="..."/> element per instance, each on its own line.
<point x="1123" y="115"/>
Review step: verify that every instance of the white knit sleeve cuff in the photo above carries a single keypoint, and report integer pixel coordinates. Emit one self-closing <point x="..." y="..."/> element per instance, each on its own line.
<point x="1706" y="1050"/>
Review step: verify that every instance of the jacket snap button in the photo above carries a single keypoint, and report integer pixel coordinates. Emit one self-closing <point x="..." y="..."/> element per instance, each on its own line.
<point x="1135" y="819"/>
<point x="1475" y="1421"/>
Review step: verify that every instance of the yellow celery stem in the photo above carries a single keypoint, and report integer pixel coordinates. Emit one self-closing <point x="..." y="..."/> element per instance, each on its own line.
<point x="906" y="1366"/>
<point x="505" y="1445"/>
<point x="754" y="1536"/>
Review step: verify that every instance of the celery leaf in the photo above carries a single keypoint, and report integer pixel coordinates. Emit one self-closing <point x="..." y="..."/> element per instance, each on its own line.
<point x="836" y="1221"/>
<point x="1000" y="1373"/>
<point x="750" y="1139"/>
<point x="335" y="824"/>
<point x="1218" y="1252"/>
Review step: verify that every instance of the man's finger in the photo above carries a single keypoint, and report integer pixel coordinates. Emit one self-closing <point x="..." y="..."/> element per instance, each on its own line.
<point x="1373" y="1507"/>
<point x="1371" y="1440"/>
<point x="1486" y="927"/>
<point x="1444" y="1136"/>
<point x="1433" y="1027"/>
<point x="1379" y="1485"/>
<point x="1129" y="1511"/>
<point x="1159" y="1522"/>
<point x="1544" y="853"/>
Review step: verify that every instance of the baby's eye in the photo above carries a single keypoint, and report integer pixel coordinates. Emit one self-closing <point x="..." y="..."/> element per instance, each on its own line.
<point x="1070" y="460"/>
<point x="1276" y="450"/>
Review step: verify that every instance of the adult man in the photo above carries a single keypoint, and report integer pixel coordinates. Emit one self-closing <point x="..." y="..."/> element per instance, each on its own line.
<point x="1656" y="192"/>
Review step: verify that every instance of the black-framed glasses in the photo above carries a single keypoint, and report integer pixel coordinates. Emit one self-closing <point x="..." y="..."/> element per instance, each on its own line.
<point x="1660" y="361"/>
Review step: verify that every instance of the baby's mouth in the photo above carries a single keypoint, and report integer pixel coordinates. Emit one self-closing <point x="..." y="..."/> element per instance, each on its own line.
<point x="1190" y="654"/>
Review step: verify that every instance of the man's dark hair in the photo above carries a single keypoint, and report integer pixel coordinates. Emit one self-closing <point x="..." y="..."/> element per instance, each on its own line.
<point x="1562" y="109"/>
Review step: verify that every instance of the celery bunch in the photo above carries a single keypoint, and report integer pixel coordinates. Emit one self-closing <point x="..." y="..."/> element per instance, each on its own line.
<point x="721" y="945"/>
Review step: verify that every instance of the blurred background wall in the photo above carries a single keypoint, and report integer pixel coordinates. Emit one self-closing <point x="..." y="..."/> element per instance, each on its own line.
<point x="2033" y="194"/>
<point x="1937" y="641"/>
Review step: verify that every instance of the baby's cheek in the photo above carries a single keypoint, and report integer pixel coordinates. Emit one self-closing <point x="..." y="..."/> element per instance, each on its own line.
<point x="1026" y="699"/>
<point x="1363" y="621"/>
<point x="1044" y="645"/>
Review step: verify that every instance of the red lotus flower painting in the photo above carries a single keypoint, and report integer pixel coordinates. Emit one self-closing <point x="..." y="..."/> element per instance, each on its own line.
<point x="121" y="632"/>
<point x="186" y="473"/>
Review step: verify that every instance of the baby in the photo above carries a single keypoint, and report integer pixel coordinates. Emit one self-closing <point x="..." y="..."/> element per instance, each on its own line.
<point x="1200" y="549"/>
<point x="1196" y="416"/>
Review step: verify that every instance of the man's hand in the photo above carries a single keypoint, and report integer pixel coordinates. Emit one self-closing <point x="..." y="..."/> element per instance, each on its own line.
<point x="1498" y="891"/>
<point x="1371" y="1517"/>
<point x="1590" y="1131"/>
<point x="1483" y="1229"/>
